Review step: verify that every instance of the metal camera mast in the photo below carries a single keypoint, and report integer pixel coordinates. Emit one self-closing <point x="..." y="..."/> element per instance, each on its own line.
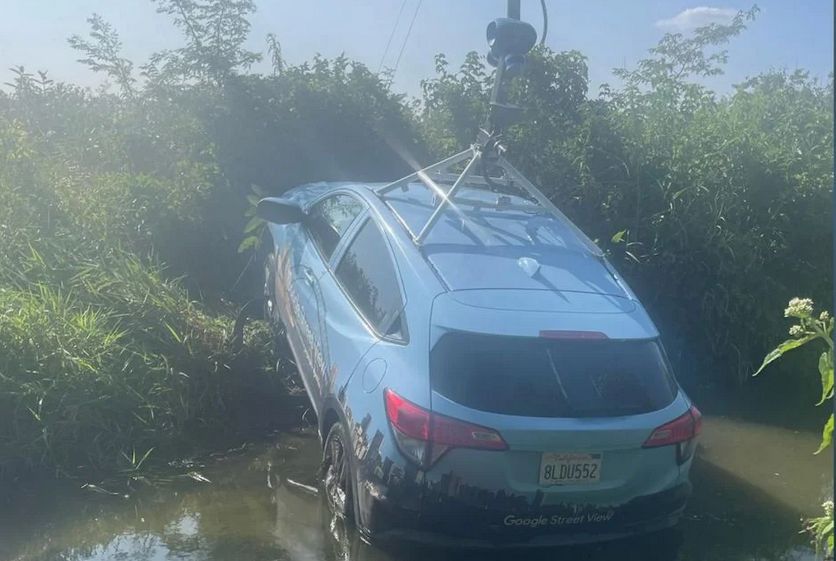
<point x="485" y="167"/>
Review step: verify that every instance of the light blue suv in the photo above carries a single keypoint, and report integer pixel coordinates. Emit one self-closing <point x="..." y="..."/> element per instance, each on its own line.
<point x="480" y="373"/>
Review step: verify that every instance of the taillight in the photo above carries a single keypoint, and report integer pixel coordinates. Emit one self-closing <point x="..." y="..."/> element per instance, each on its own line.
<point x="682" y="431"/>
<point x="424" y="436"/>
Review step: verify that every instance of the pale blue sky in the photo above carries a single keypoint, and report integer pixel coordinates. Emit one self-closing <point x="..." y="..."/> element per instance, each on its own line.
<point x="787" y="34"/>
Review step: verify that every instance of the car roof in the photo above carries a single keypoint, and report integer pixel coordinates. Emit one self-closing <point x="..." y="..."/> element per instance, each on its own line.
<point x="487" y="240"/>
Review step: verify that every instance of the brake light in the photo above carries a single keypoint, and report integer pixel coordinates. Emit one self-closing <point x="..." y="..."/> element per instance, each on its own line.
<point x="408" y="418"/>
<point x="424" y="436"/>
<point x="695" y="413"/>
<point x="682" y="431"/>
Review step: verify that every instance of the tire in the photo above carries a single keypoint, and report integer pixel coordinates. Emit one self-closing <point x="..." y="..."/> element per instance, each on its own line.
<point x="336" y="473"/>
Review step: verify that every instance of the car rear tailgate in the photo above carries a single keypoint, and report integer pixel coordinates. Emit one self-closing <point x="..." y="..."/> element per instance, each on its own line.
<point x="528" y="312"/>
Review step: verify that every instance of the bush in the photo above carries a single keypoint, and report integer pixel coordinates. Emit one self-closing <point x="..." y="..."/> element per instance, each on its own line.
<point x="813" y="329"/>
<point x="103" y="355"/>
<point x="112" y="359"/>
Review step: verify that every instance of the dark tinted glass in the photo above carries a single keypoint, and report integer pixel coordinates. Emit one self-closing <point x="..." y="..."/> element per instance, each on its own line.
<point x="368" y="275"/>
<point x="540" y="377"/>
<point x="329" y="219"/>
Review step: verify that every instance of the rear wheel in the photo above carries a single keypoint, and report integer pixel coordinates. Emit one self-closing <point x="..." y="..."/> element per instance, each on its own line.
<point x="336" y="470"/>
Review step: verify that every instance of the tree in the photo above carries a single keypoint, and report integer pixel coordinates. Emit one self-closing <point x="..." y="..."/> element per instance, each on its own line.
<point x="102" y="54"/>
<point x="274" y="48"/>
<point x="215" y="32"/>
<point x="677" y="58"/>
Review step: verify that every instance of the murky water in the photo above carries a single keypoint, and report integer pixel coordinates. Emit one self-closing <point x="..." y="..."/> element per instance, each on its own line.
<point x="752" y="483"/>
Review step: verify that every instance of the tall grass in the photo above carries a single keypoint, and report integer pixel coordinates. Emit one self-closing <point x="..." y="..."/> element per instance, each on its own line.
<point x="103" y="355"/>
<point x="110" y="360"/>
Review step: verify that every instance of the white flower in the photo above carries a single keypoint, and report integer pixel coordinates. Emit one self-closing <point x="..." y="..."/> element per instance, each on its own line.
<point x="799" y="308"/>
<point x="828" y="508"/>
<point x="796" y="330"/>
<point x="824" y="316"/>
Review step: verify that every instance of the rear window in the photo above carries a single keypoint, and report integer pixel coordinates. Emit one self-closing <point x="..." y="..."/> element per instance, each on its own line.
<point x="540" y="377"/>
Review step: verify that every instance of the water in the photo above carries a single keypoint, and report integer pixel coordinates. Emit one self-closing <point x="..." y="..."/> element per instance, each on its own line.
<point x="752" y="482"/>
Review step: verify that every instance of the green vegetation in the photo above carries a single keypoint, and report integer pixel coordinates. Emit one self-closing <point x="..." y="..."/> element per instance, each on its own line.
<point x="102" y="354"/>
<point x="122" y="211"/>
<point x="810" y="329"/>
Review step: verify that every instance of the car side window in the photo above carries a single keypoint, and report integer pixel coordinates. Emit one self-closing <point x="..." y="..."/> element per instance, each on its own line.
<point x="329" y="219"/>
<point x="367" y="274"/>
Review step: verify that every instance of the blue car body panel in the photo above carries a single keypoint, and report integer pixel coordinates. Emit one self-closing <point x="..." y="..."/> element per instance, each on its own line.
<point x="470" y="279"/>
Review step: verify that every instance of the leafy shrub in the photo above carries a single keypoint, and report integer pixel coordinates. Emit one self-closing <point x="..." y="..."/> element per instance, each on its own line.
<point x="811" y="329"/>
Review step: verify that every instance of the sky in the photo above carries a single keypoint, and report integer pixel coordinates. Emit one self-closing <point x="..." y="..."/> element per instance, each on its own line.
<point x="787" y="34"/>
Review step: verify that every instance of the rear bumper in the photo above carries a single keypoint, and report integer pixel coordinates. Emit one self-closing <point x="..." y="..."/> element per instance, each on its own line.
<point x="452" y="525"/>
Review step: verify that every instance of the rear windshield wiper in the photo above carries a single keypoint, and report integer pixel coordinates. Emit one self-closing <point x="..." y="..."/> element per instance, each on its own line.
<point x="559" y="381"/>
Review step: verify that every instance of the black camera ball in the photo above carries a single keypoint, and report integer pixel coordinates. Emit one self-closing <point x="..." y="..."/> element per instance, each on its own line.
<point x="510" y="37"/>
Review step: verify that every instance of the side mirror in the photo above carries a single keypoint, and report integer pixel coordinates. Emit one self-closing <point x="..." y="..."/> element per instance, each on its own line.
<point x="279" y="211"/>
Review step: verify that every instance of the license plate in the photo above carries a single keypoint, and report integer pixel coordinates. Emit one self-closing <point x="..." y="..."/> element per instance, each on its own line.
<point x="561" y="468"/>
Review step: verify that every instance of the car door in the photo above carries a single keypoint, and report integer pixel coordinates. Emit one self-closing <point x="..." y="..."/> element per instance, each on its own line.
<point x="365" y="305"/>
<point x="327" y="221"/>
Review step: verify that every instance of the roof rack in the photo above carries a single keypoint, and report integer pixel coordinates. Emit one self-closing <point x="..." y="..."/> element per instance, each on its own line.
<point x="442" y="173"/>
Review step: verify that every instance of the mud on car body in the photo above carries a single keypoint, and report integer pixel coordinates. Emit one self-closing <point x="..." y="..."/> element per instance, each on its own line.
<point x="495" y="384"/>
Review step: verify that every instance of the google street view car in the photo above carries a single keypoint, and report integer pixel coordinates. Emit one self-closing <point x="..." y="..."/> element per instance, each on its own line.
<point x="480" y="373"/>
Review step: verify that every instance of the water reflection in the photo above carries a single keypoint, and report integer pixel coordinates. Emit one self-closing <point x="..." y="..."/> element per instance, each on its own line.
<point x="254" y="511"/>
